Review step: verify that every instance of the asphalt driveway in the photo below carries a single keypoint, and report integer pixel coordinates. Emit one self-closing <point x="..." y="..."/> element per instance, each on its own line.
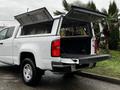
<point x="10" y="79"/>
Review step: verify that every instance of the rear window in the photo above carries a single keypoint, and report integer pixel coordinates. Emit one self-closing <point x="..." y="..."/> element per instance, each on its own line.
<point x="40" y="28"/>
<point x="75" y="28"/>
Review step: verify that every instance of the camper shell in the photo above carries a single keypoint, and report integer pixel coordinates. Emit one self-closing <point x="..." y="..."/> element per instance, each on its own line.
<point x="79" y="48"/>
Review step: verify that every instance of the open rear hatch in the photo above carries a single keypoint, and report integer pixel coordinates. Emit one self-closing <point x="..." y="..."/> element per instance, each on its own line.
<point x="83" y="14"/>
<point x="76" y="34"/>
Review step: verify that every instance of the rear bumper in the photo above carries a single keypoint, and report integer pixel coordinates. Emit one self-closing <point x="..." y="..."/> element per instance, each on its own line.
<point x="83" y="62"/>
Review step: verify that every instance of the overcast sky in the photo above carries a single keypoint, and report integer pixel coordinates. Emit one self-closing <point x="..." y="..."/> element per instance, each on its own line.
<point x="10" y="8"/>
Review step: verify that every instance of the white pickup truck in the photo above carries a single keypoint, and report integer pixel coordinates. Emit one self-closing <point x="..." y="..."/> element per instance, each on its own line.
<point x="41" y="42"/>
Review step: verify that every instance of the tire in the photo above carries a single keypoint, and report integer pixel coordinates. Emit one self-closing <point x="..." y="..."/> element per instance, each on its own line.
<point x="30" y="74"/>
<point x="92" y="65"/>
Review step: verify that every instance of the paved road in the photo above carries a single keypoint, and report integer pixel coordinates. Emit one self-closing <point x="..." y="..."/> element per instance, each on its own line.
<point x="10" y="80"/>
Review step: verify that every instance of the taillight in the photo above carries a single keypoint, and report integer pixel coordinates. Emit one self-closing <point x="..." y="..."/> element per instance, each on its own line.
<point x="55" y="48"/>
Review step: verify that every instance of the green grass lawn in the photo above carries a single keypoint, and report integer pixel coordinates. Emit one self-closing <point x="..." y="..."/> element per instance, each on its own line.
<point x="108" y="68"/>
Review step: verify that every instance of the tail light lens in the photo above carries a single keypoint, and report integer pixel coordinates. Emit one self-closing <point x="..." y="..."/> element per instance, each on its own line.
<point x="55" y="48"/>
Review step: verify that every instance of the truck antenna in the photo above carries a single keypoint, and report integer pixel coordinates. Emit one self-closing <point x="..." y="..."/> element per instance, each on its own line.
<point x="27" y="10"/>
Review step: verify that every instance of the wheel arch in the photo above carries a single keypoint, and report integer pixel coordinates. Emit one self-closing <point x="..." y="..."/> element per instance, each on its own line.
<point x="26" y="54"/>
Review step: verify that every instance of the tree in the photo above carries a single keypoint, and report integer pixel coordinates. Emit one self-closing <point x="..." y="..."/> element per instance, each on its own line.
<point x="112" y="21"/>
<point x="67" y="6"/>
<point x="91" y="5"/>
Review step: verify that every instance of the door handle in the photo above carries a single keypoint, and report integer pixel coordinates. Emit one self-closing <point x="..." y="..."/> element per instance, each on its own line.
<point x="1" y="43"/>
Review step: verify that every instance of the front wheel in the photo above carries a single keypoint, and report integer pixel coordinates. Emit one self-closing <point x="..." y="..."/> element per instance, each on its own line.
<point x="30" y="74"/>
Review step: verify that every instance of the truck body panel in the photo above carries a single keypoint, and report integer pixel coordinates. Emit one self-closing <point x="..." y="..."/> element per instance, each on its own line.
<point x="39" y="46"/>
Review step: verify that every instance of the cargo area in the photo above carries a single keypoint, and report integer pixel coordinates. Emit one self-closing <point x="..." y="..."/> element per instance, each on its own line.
<point x="75" y="46"/>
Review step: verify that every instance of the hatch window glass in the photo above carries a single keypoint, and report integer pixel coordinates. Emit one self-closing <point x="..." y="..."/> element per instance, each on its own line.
<point x="40" y="28"/>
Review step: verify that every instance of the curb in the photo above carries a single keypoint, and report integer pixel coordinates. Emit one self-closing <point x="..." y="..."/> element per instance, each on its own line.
<point x="99" y="77"/>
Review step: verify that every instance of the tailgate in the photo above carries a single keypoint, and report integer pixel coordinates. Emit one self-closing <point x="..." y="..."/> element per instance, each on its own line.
<point x="93" y="58"/>
<point x="85" y="59"/>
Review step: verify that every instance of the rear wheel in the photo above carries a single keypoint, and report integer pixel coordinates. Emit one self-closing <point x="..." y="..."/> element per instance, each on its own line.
<point x="92" y="65"/>
<point x="30" y="74"/>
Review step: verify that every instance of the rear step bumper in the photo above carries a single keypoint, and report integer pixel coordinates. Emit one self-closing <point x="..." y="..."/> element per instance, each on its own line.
<point x="67" y="67"/>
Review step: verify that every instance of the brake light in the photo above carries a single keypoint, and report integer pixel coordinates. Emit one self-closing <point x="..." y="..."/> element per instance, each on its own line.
<point x="55" y="48"/>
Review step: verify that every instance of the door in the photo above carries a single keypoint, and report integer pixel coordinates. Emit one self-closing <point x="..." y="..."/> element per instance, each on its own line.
<point x="6" y="41"/>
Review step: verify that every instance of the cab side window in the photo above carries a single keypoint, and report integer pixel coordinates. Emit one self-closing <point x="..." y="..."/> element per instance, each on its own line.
<point x="9" y="32"/>
<point x="6" y="33"/>
<point x="3" y="34"/>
